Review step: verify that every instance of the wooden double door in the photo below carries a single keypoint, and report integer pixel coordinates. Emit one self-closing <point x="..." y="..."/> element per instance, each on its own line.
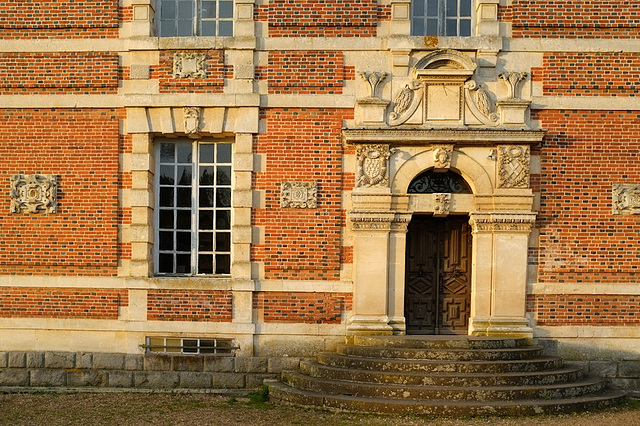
<point x="438" y="275"/>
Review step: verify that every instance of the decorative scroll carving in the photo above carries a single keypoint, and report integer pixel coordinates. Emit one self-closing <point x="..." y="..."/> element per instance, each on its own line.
<point x="513" y="80"/>
<point x="480" y="105"/>
<point x="513" y="163"/>
<point x="189" y="65"/>
<point x="406" y="103"/>
<point x="626" y="198"/>
<point x="374" y="79"/>
<point x="299" y="195"/>
<point x="441" y="204"/>
<point x="34" y="193"/>
<point x="442" y="157"/>
<point x="372" y="165"/>
<point x="192" y="120"/>
<point x="430" y="182"/>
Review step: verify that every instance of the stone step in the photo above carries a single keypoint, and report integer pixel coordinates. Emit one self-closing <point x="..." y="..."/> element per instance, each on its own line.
<point x="452" y="393"/>
<point x="438" y="366"/>
<point x="452" y="355"/>
<point x="440" y="342"/>
<point x="281" y="393"/>
<point x="562" y="375"/>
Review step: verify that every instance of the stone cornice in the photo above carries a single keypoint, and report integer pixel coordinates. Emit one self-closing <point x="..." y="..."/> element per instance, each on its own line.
<point x="462" y="136"/>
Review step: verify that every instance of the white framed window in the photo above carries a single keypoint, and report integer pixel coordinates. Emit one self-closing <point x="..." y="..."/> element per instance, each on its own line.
<point x="441" y="18"/>
<point x="185" y="18"/>
<point x="193" y="207"/>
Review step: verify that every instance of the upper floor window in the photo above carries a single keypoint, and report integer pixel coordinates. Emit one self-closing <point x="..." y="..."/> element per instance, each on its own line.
<point x="184" y="18"/>
<point x="441" y="18"/>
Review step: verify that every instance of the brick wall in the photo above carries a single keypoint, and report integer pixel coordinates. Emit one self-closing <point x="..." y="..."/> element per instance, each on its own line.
<point x="312" y="18"/>
<point x="574" y="18"/>
<point x="68" y="72"/>
<point x="81" y="147"/>
<point x="213" y="82"/>
<point x="585" y="309"/>
<point x="589" y="74"/>
<point x="306" y="72"/>
<point x="301" y="145"/>
<point x="20" y="302"/>
<point x="189" y="305"/>
<point x="308" y="308"/>
<point x="59" y="19"/>
<point x="583" y="155"/>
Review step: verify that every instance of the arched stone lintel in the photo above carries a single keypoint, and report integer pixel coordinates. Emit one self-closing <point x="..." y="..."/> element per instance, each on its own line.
<point x="472" y="172"/>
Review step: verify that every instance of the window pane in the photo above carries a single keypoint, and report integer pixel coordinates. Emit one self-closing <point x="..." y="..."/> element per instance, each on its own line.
<point x="183" y="263"/>
<point x="205" y="242"/>
<point x="184" y="175"/>
<point x="166" y="241"/>
<point x="206" y="175"/>
<point x="184" y="153"/>
<point x="189" y="346"/>
<point x="183" y="241"/>
<point x="185" y="28"/>
<point x="208" y="9"/>
<point x="207" y="346"/>
<point x="166" y="175"/>
<point x="167" y="153"/>
<point x="184" y="219"/>
<point x="205" y="264"/>
<point x="223" y="241"/>
<point x="206" y="219"/>
<point x="165" y="261"/>
<point x="184" y="197"/>
<point x="167" y="10"/>
<point x="418" y="27"/>
<point x="432" y="27"/>
<point x="223" y="263"/>
<point x="206" y="153"/>
<point x="223" y="197"/>
<point x="224" y="153"/>
<point x="166" y="219"/>
<point x="452" y="7"/>
<point x="207" y="28"/>
<point x="206" y="197"/>
<point x="166" y="197"/>
<point x="223" y="219"/>
<point x="173" y="345"/>
<point x="224" y="175"/>
<point x="452" y="27"/>
<point x="418" y="7"/>
<point x="185" y="9"/>
<point x="432" y="8"/>
<point x="465" y="27"/>
<point x="226" y="9"/>
<point x="465" y="7"/>
<point x="225" y="28"/>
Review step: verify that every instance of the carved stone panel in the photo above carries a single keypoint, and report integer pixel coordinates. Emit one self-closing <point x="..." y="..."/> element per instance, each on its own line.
<point x="441" y="204"/>
<point x="372" y="165"/>
<point x="34" y="193"/>
<point x="514" y="163"/>
<point x="442" y="157"/>
<point x="299" y="195"/>
<point x="626" y="198"/>
<point x="192" y="120"/>
<point x="189" y="65"/>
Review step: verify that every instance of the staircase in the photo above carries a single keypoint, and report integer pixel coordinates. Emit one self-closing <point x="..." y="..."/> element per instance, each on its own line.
<point x="443" y="376"/>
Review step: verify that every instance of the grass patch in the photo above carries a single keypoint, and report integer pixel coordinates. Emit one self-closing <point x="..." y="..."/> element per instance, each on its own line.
<point x="260" y="397"/>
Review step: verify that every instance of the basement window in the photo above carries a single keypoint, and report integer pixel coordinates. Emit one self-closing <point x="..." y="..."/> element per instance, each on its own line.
<point x="190" y="345"/>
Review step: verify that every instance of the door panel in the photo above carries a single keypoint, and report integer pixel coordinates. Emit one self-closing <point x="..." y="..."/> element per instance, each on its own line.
<point x="438" y="275"/>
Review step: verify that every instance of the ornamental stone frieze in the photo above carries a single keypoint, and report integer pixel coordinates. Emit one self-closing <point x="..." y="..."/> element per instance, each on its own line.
<point x="34" y="193"/>
<point x="513" y="166"/>
<point x="372" y="165"/>
<point x="379" y="221"/>
<point x="490" y="222"/>
<point x="299" y="195"/>
<point x="626" y="198"/>
<point x="189" y="65"/>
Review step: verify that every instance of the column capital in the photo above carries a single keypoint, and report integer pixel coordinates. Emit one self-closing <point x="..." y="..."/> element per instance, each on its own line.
<point x="503" y="222"/>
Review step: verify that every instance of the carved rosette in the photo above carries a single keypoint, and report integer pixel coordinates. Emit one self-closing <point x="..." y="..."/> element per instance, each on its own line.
<point x="502" y="222"/>
<point x="189" y="65"/>
<point x="514" y="165"/>
<point x="441" y="204"/>
<point x="299" y="195"/>
<point x="626" y="198"/>
<point x="34" y="193"/>
<point x="192" y="120"/>
<point x="442" y="155"/>
<point x="372" y="165"/>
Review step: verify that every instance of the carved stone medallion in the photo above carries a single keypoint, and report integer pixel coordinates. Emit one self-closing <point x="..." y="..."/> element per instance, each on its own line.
<point x="441" y="204"/>
<point x="299" y="195"/>
<point x="626" y="198"/>
<point x="442" y="157"/>
<point x="34" y="193"/>
<point x="192" y="120"/>
<point x="189" y="65"/>
<point x="372" y="165"/>
<point x="513" y="163"/>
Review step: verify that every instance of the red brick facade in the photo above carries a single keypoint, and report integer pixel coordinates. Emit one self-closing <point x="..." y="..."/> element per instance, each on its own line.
<point x="585" y="309"/>
<point x="308" y="308"/>
<point x="20" y="302"/>
<point x="189" y="305"/>
<point x="212" y="82"/>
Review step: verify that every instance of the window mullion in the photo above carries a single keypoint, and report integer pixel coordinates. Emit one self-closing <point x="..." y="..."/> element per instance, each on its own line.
<point x="195" y="210"/>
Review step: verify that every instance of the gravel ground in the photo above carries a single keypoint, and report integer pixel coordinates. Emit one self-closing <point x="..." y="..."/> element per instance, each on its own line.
<point x="203" y="409"/>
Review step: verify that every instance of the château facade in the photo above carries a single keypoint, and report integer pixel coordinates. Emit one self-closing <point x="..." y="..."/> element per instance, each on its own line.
<point x="265" y="177"/>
